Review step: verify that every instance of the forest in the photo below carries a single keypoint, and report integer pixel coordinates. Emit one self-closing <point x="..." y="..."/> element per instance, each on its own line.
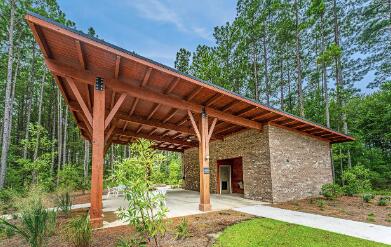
<point x="306" y="58"/>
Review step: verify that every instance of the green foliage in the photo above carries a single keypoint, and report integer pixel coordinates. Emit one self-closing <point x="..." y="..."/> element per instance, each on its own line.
<point x="356" y="180"/>
<point x="64" y="203"/>
<point x="135" y="241"/>
<point x="146" y="208"/>
<point x="320" y="203"/>
<point x="182" y="229"/>
<point x="331" y="191"/>
<point x="71" y="178"/>
<point x="78" y="231"/>
<point x="36" y="224"/>
<point x="367" y="197"/>
<point x="371" y="217"/>
<point x="384" y="201"/>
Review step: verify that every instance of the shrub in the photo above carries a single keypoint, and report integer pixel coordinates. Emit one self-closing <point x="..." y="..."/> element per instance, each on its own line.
<point x="78" y="231"/>
<point x="320" y="203"/>
<point x="131" y="242"/>
<point x="371" y="217"/>
<point x="64" y="203"/>
<point x="384" y="201"/>
<point x="146" y="208"/>
<point x="182" y="230"/>
<point x="331" y="191"/>
<point x="357" y="180"/>
<point x="367" y="197"/>
<point x="36" y="224"/>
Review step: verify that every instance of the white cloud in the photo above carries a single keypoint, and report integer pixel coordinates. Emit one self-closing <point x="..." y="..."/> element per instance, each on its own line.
<point x="159" y="11"/>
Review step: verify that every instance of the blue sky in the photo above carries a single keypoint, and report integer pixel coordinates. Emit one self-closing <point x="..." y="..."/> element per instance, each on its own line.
<point x="153" y="28"/>
<point x="156" y="29"/>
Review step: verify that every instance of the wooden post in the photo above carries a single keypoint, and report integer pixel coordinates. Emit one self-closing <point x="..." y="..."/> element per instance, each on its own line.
<point x="203" y="135"/>
<point x="203" y="150"/>
<point x="98" y="145"/>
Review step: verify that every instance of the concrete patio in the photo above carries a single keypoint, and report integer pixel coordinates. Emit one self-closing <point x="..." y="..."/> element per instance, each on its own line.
<point x="179" y="202"/>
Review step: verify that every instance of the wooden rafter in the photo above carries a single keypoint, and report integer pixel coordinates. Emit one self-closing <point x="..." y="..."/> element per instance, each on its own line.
<point x="80" y="54"/>
<point x="117" y="65"/>
<point x="114" y="110"/>
<point x="80" y="100"/>
<point x="39" y="37"/>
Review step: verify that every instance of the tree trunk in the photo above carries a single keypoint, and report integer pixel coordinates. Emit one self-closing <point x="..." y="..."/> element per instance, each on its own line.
<point x="39" y="114"/>
<point x="324" y="77"/>
<point x="65" y="136"/>
<point x="265" y="61"/>
<point x="281" y="86"/>
<point x="339" y="79"/>
<point x="256" y="83"/>
<point x="30" y="85"/>
<point x="59" y="132"/>
<point x="299" y="83"/>
<point x="86" y="160"/>
<point x="7" y="105"/>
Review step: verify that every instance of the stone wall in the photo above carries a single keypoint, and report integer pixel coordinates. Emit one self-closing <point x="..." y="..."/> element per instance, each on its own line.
<point x="300" y="164"/>
<point x="252" y="146"/>
<point x="278" y="164"/>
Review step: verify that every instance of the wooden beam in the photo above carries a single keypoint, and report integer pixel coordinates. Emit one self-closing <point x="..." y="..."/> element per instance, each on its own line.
<point x="146" y="77"/>
<point x="172" y="85"/>
<point x="210" y="132"/>
<point x="150" y="95"/>
<point x="117" y="66"/>
<point x="80" y="100"/>
<point x="170" y="115"/>
<point x="160" y="138"/>
<point x="114" y="110"/>
<point x="180" y="150"/>
<point x="80" y="54"/>
<point x="213" y="99"/>
<point x="39" y="37"/>
<point x="204" y="163"/>
<point x="193" y="123"/>
<point x="229" y="106"/>
<point x="153" y="111"/>
<point x="98" y="146"/>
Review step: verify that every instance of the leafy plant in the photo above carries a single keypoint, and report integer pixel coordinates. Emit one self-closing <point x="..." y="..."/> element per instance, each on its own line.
<point x="146" y="208"/>
<point x="331" y="191"/>
<point x="367" y="197"/>
<point x="384" y="201"/>
<point x="64" y="203"/>
<point x="36" y="224"/>
<point x="131" y="242"/>
<point x="371" y="217"/>
<point x="320" y="203"/>
<point x="182" y="229"/>
<point x="357" y="180"/>
<point x="78" y="231"/>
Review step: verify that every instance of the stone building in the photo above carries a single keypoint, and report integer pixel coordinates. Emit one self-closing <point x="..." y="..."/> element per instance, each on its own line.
<point x="273" y="165"/>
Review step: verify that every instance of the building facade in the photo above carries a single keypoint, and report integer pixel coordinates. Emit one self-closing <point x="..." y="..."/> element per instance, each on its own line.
<point x="273" y="165"/>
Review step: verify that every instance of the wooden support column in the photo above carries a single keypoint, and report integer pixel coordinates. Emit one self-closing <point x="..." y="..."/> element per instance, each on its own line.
<point x="203" y="135"/>
<point x="98" y="145"/>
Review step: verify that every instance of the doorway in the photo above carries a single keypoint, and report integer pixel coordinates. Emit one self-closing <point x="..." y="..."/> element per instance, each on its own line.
<point x="225" y="179"/>
<point x="230" y="176"/>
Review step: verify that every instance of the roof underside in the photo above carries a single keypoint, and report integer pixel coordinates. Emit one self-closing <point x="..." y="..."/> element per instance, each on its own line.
<point x="156" y="97"/>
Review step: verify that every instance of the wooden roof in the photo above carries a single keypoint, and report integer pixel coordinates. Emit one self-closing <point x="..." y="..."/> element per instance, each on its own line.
<point x="151" y="100"/>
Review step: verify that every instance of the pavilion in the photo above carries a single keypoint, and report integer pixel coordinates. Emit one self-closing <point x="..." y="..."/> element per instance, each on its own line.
<point x="117" y="96"/>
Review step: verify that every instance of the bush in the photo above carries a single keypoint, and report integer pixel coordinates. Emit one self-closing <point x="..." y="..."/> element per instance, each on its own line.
<point x="384" y="201"/>
<point x="64" y="203"/>
<point x="357" y="180"/>
<point x="131" y="242"/>
<point x="146" y="208"/>
<point x="36" y="224"/>
<point x="78" y="231"/>
<point x="182" y="230"/>
<point x="367" y="197"/>
<point x="331" y="191"/>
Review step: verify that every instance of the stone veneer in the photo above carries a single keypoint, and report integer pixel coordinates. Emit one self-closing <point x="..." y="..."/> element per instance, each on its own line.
<point x="300" y="164"/>
<point x="278" y="164"/>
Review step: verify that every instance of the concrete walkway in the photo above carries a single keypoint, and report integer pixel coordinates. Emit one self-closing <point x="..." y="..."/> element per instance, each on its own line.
<point x="363" y="230"/>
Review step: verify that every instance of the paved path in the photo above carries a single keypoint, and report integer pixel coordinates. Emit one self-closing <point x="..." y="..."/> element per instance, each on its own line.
<point x="357" y="229"/>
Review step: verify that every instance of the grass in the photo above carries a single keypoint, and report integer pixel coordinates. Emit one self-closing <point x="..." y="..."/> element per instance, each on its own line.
<point x="268" y="232"/>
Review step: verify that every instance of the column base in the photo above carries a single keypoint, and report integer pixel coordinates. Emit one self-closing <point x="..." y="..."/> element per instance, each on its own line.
<point x="205" y="207"/>
<point x="96" y="222"/>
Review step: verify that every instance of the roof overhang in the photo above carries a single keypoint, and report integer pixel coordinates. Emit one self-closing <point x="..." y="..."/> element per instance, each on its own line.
<point x="146" y="99"/>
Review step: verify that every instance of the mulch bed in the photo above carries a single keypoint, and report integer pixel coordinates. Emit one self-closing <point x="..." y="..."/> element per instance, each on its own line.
<point x="199" y="227"/>
<point x="346" y="207"/>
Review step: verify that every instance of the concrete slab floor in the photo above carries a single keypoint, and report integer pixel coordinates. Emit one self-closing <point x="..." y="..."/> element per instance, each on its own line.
<point x="179" y="203"/>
